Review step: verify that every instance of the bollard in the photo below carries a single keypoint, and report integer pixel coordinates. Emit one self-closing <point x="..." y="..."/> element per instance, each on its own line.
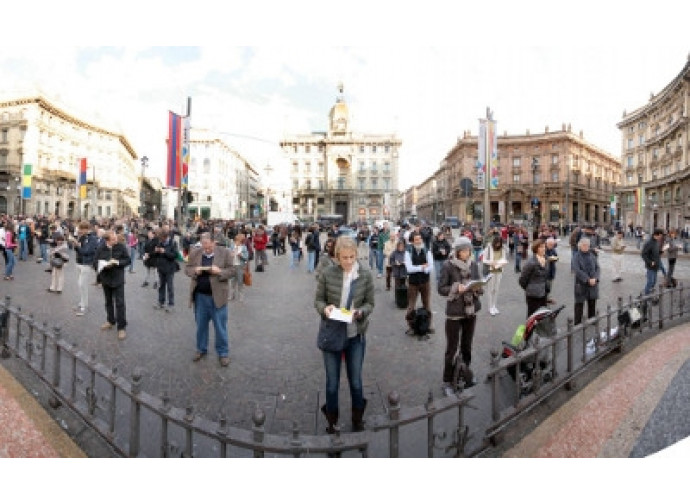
<point x="258" y="419"/>
<point x="394" y="415"/>
<point x="113" y="402"/>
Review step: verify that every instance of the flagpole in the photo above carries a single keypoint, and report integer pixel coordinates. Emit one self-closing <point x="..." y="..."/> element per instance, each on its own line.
<point x="487" y="172"/>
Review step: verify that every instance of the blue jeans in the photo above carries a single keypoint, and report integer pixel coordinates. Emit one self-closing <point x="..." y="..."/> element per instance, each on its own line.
<point x="44" y="251"/>
<point x="9" y="262"/>
<point x="311" y="256"/>
<point x="373" y="254"/>
<point x="354" y="357"/>
<point x="23" y="249"/>
<point x="651" y="281"/>
<point x="132" y="258"/>
<point x="295" y="259"/>
<point x="438" y="264"/>
<point x="379" y="261"/>
<point x="205" y="311"/>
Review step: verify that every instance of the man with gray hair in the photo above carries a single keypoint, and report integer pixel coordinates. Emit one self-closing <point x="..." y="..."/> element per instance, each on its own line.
<point x="586" y="270"/>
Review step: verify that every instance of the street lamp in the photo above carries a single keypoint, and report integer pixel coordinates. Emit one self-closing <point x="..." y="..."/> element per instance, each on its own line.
<point x="142" y="203"/>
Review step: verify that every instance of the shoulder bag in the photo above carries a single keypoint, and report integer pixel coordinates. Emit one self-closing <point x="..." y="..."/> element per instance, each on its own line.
<point x="332" y="335"/>
<point x="247" y="276"/>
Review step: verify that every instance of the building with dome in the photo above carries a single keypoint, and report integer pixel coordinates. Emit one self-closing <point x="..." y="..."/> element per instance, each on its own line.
<point x="342" y="172"/>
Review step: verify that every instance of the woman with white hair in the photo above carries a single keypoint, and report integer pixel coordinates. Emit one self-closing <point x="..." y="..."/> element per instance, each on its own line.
<point x="494" y="258"/>
<point x="586" y="269"/>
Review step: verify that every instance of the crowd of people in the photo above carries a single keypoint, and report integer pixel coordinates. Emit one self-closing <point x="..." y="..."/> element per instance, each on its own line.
<point x="217" y="255"/>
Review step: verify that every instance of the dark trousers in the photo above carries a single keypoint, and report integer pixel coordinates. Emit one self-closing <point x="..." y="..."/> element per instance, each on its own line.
<point x="412" y="290"/>
<point x="462" y="330"/>
<point x="115" y="305"/>
<point x="580" y="307"/>
<point x="534" y="303"/>
<point x="165" y="281"/>
<point x="389" y="270"/>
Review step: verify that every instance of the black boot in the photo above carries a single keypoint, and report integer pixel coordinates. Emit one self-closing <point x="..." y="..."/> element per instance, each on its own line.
<point x="357" y="418"/>
<point x="331" y="417"/>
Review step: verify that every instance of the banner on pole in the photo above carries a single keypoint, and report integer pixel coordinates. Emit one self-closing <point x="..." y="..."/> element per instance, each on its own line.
<point x="26" y="181"/>
<point x="174" y="170"/>
<point x="81" y="178"/>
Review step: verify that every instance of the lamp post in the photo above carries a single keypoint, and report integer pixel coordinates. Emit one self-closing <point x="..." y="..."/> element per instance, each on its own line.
<point x="142" y="202"/>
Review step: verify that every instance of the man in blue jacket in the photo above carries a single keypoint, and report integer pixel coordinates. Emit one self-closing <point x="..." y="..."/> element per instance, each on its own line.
<point x="85" y="245"/>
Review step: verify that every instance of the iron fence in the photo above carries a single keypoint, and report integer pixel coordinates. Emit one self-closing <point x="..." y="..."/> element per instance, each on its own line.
<point x="137" y="424"/>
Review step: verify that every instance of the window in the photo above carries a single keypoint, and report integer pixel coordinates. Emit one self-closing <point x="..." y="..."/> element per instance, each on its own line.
<point x="295" y="167"/>
<point x="3" y="139"/>
<point x="373" y="167"/>
<point x="360" y="181"/>
<point x="517" y="162"/>
<point x="516" y="178"/>
<point x="307" y="167"/>
<point x="629" y="162"/>
<point x="361" y="149"/>
<point x="321" y="188"/>
<point x="630" y="143"/>
<point x="374" y="183"/>
<point x="361" y="166"/>
<point x="373" y="149"/>
<point x="640" y="140"/>
<point x="321" y="168"/>
<point x="307" y="149"/>
<point x="320" y="148"/>
<point x="341" y="182"/>
<point x="386" y="184"/>
<point x="554" y="159"/>
<point x="295" y="184"/>
<point x="386" y="167"/>
<point x="386" y="149"/>
<point x="554" y="176"/>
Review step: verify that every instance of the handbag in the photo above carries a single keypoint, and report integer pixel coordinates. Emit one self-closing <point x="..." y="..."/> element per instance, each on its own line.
<point x="247" y="276"/>
<point x="57" y="262"/>
<point x="332" y="335"/>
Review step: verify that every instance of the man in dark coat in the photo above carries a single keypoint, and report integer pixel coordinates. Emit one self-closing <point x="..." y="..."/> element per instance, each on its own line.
<point x="651" y="255"/>
<point x="586" y="269"/>
<point x="111" y="260"/>
<point x="165" y="253"/>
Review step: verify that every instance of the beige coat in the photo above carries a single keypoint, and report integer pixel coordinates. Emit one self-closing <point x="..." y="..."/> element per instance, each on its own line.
<point x="219" y="283"/>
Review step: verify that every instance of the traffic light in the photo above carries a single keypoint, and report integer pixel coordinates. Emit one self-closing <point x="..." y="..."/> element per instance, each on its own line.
<point x="190" y="197"/>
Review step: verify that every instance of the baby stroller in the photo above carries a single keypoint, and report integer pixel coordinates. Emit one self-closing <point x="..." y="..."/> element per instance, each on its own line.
<point x="543" y="323"/>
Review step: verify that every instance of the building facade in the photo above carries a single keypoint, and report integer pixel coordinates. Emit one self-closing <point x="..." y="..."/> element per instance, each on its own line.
<point x="552" y="177"/>
<point x="341" y="172"/>
<point x="34" y="131"/>
<point x="223" y="184"/>
<point x="655" y="191"/>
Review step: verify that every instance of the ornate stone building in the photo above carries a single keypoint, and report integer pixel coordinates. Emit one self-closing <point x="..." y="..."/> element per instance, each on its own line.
<point x="557" y="177"/>
<point x="35" y="131"/>
<point x="654" y="145"/>
<point x="343" y="172"/>
<point x="223" y="184"/>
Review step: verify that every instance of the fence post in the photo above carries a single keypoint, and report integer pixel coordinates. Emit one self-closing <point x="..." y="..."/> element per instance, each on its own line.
<point x="189" y="418"/>
<point x="569" y="385"/>
<point x="135" y="410"/>
<point x="394" y="415"/>
<point x="165" y="408"/>
<point x="258" y="419"/>
<point x="662" y="295"/>
<point x="56" y="358"/>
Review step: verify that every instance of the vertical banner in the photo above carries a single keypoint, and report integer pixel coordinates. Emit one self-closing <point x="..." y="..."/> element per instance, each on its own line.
<point x="613" y="205"/>
<point x="185" y="152"/>
<point x="639" y="195"/>
<point x="81" y="178"/>
<point x="26" y="181"/>
<point x="481" y="157"/>
<point x="174" y="170"/>
<point x="492" y="152"/>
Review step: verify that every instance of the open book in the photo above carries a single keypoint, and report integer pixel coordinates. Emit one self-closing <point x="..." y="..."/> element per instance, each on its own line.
<point x="341" y="314"/>
<point x="478" y="284"/>
<point x="105" y="264"/>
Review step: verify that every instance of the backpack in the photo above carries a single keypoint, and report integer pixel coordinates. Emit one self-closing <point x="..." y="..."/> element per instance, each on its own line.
<point x="420" y="321"/>
<point x="250" y="250"/>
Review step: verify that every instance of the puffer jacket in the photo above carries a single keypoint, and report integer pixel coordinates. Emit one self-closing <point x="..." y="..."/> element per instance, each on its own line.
<point x="533" y="278"/>
<point x="586" y="266"/>
<point x="329" y="289"/>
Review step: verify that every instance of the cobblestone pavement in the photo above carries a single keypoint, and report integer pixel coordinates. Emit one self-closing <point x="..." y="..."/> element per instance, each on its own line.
<point x="275" y="364"/>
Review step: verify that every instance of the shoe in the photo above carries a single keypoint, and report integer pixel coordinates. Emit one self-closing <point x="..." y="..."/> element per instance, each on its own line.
<point x="106" y="326"/>
<point x="379" y="275"/>
<point x="145" y="284"/>
<point x="224" y="361"/>
<point x="131" y="271"/>
<point x="49" y="270"/>
<point x="431" y="331"/>
<point x="158" y="306"/>
<point x="169" y="309"/>
<point x="198" y="356"/>
<point x="80" y="313"/>
<point x="155" y="285"/>
<point x="447" y="389"/>
<point x="492" y="312"/>
<point x="496" y="312"/>
<point x="121" y="334"/>
<point x="410" y="332"/>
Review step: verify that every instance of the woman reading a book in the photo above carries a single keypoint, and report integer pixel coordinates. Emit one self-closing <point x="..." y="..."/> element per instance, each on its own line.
<point x="494" y="259"/>
<point x="461" y="308"/>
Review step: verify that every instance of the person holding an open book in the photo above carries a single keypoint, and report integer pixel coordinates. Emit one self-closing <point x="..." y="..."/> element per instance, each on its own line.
<point x="494" y="259"/>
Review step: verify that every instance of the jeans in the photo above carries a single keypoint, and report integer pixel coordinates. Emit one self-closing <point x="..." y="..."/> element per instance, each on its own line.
<point x="651" y="281"/>
<point x="10" y="260"/>
<point x="115" y="296"/>
<point x="23" y="249"/>
<point x="438" y="264"/>
<point x="379" y="261"/>
<point x="295" y="259"/>
<point x="165" y="280"/>
<point x="205" y="311"/>
<point x="354" y="357"/>
<point x="311" y="256"/>
<point x="44" y="251"/>
<point x="132" y="258"/>
<point x="373" y="258"/>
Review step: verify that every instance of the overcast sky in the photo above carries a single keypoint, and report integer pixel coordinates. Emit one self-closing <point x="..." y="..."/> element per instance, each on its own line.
<point x="425" y="76"/>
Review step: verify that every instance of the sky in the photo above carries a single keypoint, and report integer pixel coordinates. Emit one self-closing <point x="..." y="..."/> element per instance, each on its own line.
<point x="260" y="73"/>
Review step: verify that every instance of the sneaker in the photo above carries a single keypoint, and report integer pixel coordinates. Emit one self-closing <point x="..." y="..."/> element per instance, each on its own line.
<point x="198" y="356"/>
<point x="379" y="275"/>
<point x="106" y="326"/>
<point x="80" y="313"/>
<point x="447" y="389"/>
<point x="121" y="334"/>
<point x="224" y="361"/>
<point x="496" y="311"/>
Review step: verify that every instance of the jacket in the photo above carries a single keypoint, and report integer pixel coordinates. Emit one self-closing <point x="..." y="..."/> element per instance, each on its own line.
<point x="650" y="254"/>
<point x="166" y="261"/>
<point x="222" y="257"/>
<point x="86" y="251"/>
<point x="437" y="246"/>
<point x="459" y="305"/>
<point x="533" y="278"/>
<point x="113" y="276"/>
<point x="329" y="289"/>
<point x="260" y="241"/>
<point x="585" y="266"/>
